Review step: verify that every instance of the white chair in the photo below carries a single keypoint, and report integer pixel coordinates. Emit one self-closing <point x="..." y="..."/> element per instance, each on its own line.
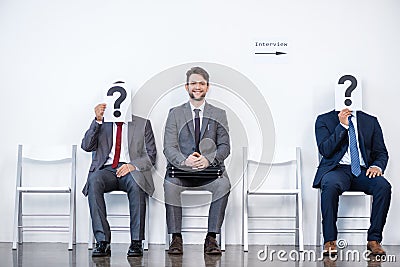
<point x="360" y="229"/>
<point x="292" y="166"/>
<point x="121" y="215"/>
<point x="193" y="194"/>
<point x="348" y="194"/>
<point x="22" y="188"/>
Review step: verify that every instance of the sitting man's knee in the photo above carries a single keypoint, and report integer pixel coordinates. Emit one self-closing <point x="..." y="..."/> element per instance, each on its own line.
<point x="226" y="185"/>
<point x="222" y="186"/>
<point x="330" y="185"/>
<point x="94" y="181"/>
<point x="383" y="185"/>
<point x="92" y="178"/>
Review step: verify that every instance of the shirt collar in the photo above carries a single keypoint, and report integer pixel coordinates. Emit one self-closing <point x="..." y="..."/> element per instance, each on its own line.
<point x="201" y="107"/>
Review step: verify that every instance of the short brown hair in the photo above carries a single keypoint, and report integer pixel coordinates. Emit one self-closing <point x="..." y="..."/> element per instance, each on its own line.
<point x="197" y="70"/>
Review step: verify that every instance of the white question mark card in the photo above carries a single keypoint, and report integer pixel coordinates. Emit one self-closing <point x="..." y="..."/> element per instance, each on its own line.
<point x="348" y="92"/>
<point x="118" y="100"/>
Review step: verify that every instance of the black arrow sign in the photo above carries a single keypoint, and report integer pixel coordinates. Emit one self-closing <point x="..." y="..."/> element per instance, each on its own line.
<point x="274" y="53"/>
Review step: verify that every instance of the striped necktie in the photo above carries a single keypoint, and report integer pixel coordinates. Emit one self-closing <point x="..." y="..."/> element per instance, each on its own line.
<point x="354" y="156"/>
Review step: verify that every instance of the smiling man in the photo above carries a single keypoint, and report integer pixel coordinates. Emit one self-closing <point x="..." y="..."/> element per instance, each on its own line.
<point x="196" y="138"/>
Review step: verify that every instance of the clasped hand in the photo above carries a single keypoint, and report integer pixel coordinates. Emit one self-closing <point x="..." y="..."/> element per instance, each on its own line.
<point x="197" y="161"/>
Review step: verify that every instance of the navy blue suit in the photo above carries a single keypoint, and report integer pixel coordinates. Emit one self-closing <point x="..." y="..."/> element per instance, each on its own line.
<point x="334" y="179"/>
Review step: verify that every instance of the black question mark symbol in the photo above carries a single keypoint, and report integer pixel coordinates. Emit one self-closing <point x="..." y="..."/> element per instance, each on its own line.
<point x="119" y="100"/>
<point x="350" y="89"/>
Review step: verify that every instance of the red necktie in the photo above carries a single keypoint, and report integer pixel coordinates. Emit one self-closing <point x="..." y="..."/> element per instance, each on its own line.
<point x="117" y="145"/>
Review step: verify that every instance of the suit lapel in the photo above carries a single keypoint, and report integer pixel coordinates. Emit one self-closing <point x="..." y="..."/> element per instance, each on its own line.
<point x="189" y="118"/>
<point x="336" y="117"/>
<point x="109" y="134"/>
<point x="131" y="130"/>
<point x="206" y="116"/>
<point x="336" y="122"/>
<point x="360" y="125"/>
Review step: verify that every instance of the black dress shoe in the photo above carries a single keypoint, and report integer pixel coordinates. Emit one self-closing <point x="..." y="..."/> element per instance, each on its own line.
<point x="135" y="249"/>
<point x="103" y="249"/>
<point x="176" y="246"/>
<point x="211" y="246"/>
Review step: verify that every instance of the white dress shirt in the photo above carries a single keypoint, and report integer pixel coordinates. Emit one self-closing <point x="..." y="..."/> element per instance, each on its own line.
<point x="200" y="113"/>
<point x="346" y="160"/>
<point x="124" y="154"/>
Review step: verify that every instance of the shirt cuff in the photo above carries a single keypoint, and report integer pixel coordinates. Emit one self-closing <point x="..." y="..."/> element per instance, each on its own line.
<point x="345" y="126"/>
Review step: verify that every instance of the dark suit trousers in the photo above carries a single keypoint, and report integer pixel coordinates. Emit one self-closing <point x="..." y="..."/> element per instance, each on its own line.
<point x="219" y="187"/>
<point x="340" y="179"/>
<point x="105" y="180"/>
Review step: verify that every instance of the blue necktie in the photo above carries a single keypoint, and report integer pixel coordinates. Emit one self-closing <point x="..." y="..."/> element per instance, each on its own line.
<point x="354" y="156"/>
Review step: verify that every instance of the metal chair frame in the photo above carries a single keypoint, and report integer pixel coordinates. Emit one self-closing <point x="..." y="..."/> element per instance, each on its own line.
<point x="20" y="190"/>
<point x="122" y="228"/>
<point x="297" y="192"/>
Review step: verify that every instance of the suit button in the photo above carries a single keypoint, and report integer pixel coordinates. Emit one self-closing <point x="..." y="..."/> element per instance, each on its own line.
<point x="194" y="149"/>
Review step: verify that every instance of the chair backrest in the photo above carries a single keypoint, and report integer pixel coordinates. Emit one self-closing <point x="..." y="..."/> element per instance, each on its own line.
<point x="53" y="159"/>
<point x="284" y="172"/>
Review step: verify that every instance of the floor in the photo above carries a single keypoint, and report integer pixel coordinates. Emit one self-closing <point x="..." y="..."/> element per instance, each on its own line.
<point x="56" y="254"/>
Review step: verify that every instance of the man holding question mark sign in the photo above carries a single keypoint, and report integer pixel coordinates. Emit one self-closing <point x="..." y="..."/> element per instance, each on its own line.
<point x="123" y="154"/>
<point x="354" y="157"/>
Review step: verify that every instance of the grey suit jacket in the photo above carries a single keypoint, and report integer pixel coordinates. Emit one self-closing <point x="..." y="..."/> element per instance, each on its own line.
<point x="142" y="149"/>
<point x="179" y="140"/>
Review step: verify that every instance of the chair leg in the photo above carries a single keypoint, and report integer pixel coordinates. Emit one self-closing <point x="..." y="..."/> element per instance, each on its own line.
<point x="73" y="197"/>
<point x="71" y="221"/>
<point x="222" y="236"/>
<point x="91" y="236"/>
<point x="17" y="223"/>
<point x="145" y="244"/>
<point x="300" y="222"/>
<point x="167" y="239"/>
<point x="74" y="221"/>
<point x="20" y="222"/>
<point x="146" y="225"/>
<point x="246" y="223"/>
<point x="319" y="222"/>
<point x="297" y="233"/>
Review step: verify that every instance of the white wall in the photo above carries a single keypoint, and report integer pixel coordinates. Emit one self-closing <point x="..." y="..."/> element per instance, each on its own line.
<point x="57" y="57"/>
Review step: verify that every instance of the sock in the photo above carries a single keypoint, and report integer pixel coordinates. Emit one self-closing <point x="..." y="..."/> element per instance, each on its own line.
<point x="212" y="234"/>
<point x="176" y="235"/>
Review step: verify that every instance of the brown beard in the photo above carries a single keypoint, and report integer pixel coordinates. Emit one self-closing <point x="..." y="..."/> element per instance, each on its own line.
<point x="197" y="99"/>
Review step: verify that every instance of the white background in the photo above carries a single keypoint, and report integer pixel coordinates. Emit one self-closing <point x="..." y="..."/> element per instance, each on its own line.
<point x="56" y="58"/>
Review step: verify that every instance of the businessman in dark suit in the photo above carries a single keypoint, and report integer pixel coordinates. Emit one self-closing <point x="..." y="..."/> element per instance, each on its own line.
<point x="123" y="156"/>
<point x="196" y="136"/>
<point x="354" y="157"/>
